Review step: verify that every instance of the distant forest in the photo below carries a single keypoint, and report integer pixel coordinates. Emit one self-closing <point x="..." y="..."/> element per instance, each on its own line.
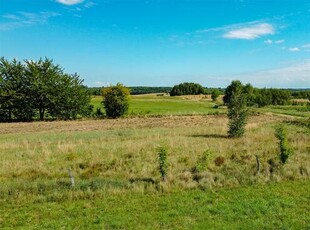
<point x="136" y="90"/>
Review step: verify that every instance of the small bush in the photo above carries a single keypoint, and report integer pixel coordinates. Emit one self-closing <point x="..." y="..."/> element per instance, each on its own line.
<point x="163" y="162"/>
<point x="202" y="162"/>
<point x="116" y="100"/>
<point x="215" y="94"/>
<point x="285" y="150"/>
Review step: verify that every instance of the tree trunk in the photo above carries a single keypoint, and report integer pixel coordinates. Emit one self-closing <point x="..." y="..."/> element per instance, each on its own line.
<point x="10" y="115"/>
<point x="41" y="112"/>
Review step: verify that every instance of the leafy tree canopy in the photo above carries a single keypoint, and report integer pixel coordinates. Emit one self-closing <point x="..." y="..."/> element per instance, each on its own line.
<point x="186" y="89"/>
<point x="38" y="90"/>
<point x="115" y="100"/>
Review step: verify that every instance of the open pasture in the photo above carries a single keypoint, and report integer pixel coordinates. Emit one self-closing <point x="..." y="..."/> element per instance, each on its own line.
<point x="158" y="105"/>
<point x="117" y="181"/>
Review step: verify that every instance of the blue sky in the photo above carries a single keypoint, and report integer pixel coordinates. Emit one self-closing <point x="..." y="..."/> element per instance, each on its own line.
<point x="164" y="42"/>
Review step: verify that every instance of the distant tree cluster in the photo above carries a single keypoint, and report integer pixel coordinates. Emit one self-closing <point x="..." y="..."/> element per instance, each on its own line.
<point x="36" y="90"/>
<point x="145" y="90"/>
<point x="186" y="89"/>
<point x="257" y="97"/>
<point x="94" y="91"/>
<point x="305" y="94"/>
<point x="211" y="90"/>
<point x="134" y="90"/>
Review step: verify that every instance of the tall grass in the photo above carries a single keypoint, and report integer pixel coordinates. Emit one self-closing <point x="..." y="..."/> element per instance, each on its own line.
<point x="126" y="154"/>
<point x="117" y="181"/>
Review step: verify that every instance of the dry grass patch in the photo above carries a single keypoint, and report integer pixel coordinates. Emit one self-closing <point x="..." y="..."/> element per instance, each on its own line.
<point x="126" y="150"/>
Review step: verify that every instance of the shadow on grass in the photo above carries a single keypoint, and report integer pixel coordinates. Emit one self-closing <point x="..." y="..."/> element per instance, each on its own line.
<point x="143" y="179"/>
<point x="218" y="136"/>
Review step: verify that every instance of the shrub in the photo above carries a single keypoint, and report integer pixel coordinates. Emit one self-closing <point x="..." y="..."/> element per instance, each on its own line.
<point x="115" y="100"/>
<point x="202" y="162"/>
<point x="215" y="94"/>
<point x="237" y="114"/>
<point x="285" y="150"/>
<point x="163" y="162"/>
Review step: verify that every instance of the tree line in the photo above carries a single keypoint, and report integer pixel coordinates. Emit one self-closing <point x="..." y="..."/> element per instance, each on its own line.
<point x="39" y="90"/>
<point x="301" y="94"/>
<point x="134" y="90"/>
<point x="257" y="97"/>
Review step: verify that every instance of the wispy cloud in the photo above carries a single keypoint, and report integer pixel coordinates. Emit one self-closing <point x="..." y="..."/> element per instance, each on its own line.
<point x="295" y="75"/>
<point x="250" y="32"/>
<point x="300" y="48"/>
<point x="279" y="41"/>
<point x="25" y="19"/>
<point x="89" y="4"/>
<point x="70" y="2"/>
<point x="294" y="49"/>
<point x="77" y="10"/>
<point x="246" y="31"/>
<point x="269" y="41"/>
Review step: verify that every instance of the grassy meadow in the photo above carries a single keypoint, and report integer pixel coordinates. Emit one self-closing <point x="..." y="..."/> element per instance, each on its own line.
<point x="159" y="105"/>
<point x="117" y="181"/>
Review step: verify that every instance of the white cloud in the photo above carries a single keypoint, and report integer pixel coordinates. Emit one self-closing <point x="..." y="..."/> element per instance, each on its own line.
<point x="11" y="17"/>
<point x="89" y="4"/>
<point x="279" y="41"/>
<point x="250" y="32"/>
<point x="306" y="46"/>
<point x="70" y="2"/>
<point x="25" y="19"/>
<point x="247" y="31"/>
<point x="268" y="41"/>
<point x="296" y="75"/>
<point x="294" y="49"/>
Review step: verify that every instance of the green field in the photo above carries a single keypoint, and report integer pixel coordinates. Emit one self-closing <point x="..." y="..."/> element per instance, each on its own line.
<point x="164" y="105"/>
<point x="291" y="110"/>
<point x="117" y="181"/>
<point x="276" y="206"/>
<point x="153" y="105"/>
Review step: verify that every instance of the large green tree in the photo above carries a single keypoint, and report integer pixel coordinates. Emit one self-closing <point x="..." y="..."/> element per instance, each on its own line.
<point x="72" y="98"/>
<point x="37" y="89"/>
<point x="44" y="78"/>
<point x="13" y="102"/>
